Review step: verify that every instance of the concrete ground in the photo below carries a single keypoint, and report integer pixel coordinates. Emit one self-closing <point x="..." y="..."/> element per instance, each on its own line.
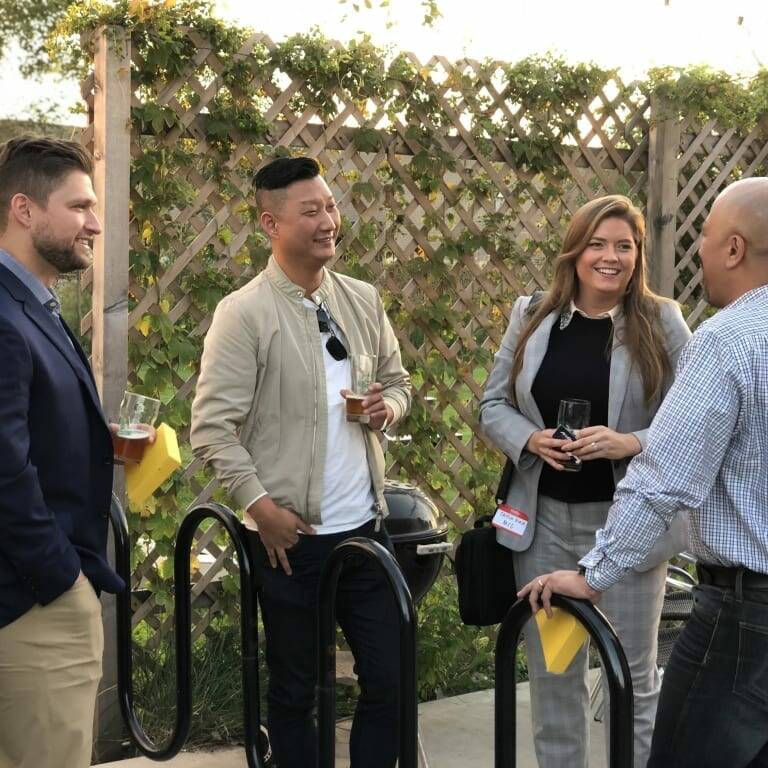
<point x="456" y="732"/>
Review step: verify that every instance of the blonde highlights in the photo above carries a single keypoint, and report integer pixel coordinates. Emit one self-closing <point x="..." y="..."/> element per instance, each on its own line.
<point x="643" y="333"/>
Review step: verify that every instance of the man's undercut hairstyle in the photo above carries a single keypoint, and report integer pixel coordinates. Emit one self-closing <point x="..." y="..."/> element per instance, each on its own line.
<point x="34" y="166"/>
<point x="281" y="173"/>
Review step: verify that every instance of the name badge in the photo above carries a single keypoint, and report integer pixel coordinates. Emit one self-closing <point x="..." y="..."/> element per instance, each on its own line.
<point x="510" y="520"/>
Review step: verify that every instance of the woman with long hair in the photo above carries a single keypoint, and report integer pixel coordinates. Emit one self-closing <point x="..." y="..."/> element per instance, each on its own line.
<point x="601" y="335"/>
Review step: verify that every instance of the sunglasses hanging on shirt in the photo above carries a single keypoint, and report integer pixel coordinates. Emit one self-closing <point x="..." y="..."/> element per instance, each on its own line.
<point x="335" y="348"/>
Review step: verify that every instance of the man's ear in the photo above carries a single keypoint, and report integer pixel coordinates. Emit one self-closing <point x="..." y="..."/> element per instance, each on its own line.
<point x="20" y="209"/>
<point x="737" y="251"/>
<point x="269" y="224"/>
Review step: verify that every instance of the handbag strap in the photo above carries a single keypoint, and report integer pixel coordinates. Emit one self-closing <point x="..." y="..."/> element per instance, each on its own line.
<point x="501" y="493"/>
<point x="536" y="298"/>
<point x="505" y="482"/>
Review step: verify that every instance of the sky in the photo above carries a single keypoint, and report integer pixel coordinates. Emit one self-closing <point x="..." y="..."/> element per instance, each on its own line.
<point x="730" y="35"/>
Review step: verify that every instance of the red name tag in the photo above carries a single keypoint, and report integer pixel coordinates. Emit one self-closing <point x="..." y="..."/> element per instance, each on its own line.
<point x="510" y="520"/>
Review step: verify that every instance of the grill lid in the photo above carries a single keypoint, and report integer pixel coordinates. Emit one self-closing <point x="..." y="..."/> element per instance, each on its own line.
<point x="412" y="516"/>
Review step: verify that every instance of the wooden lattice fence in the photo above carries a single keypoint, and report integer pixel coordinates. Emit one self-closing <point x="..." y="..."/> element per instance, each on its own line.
<point x="454" y="205"/>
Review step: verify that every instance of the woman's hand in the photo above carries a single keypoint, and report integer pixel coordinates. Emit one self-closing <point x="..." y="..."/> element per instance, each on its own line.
<point x="603" y="443"/>
<point x="548" y="448"/>
<point x="570" y="583"/>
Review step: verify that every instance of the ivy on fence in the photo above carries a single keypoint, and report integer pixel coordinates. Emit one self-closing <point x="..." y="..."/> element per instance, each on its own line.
<point x="456" y="180"/>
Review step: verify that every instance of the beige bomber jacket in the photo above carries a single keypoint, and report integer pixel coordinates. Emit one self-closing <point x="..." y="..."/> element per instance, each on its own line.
<point x="259" y="416"/>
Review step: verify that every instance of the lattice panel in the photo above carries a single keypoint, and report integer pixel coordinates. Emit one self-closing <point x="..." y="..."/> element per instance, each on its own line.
<point x="450" y="251"/>
<point x="710" y="159"/>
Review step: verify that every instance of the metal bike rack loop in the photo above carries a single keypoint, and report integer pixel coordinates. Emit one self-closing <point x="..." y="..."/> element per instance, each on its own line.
<point x="326" y="698"/>
<point x="183" y="621"/>
<point x="614" y="662"/>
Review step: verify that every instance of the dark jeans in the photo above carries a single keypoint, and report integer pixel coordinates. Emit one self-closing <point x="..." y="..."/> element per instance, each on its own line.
<point x="713" y="708"/>
<point x="366" y="612"/>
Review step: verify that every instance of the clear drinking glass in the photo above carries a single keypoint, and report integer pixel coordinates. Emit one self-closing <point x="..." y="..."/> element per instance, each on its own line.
<point x="362" y="378"/>
<point x="138" y="415"/>
<point x="573" y="415"/>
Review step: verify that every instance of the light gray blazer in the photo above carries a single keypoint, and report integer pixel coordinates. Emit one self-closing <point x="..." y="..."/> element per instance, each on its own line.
<point x="509" y="427"/>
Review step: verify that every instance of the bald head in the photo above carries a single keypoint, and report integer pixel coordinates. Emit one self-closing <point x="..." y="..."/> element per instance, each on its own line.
<point x="734" y="242"/>
<point x="743" y="210"/>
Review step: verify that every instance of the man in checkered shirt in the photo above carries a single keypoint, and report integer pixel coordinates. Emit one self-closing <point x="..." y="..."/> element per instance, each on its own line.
<point x="707" y="453"/>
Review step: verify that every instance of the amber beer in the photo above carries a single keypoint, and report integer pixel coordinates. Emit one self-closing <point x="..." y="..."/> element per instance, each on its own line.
<point x="129" y="445"/>
<point x="138" y="414"/>
<point x="355" y="409"/>
<point x="362" y="378"/>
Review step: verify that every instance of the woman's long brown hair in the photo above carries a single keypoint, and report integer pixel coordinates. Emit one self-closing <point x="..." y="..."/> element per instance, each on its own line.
<point x="643" y="333"/>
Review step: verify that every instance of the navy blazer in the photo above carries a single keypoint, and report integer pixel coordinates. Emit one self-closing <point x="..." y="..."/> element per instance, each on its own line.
<point x="55" y="459"/>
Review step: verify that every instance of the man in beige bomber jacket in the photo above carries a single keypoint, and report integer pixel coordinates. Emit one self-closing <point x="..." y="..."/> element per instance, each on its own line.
<point x="269" y="417"/>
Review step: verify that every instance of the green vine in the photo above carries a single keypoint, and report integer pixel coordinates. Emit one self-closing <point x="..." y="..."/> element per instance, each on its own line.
<point x="522" y="114"/>
<point x="707" y="94"/>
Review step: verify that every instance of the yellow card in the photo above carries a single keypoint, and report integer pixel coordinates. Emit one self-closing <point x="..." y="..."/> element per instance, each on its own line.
<point x="160" y="461"/>
<point x="561" y="638"/>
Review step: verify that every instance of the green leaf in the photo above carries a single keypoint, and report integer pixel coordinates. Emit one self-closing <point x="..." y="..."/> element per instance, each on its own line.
<point x="367" y="140"/>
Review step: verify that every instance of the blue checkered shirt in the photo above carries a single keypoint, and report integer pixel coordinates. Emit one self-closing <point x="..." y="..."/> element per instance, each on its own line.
<point x="707" y="452"/>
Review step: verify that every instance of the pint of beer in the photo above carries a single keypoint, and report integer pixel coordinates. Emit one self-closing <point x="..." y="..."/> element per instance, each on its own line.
<point x="362" y="378"/>
<point x="129" y="445"/>
<point x="137" y="417"/>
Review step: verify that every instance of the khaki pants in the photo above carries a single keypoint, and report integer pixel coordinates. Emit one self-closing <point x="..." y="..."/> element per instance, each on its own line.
<point x="50" y="667"/>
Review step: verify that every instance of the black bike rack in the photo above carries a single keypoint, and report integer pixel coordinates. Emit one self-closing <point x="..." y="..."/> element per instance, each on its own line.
<point x="614" y="663"/>
<point x="326" y="697"/>
<point x="183" y="621"/>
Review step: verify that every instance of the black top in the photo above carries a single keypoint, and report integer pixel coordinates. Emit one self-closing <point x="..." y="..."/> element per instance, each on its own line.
<point x="577" y="364"/>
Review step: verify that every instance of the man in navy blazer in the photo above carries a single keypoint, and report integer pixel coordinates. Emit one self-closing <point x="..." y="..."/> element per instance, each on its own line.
<point x="55" y="465"/>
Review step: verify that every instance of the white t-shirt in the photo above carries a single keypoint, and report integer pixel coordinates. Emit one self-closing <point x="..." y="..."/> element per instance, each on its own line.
<point x="348" y="500"/>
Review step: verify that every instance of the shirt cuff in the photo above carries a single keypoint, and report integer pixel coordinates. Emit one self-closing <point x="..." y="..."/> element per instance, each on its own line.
<point x="253" y="501"/>
<point x="601" y="572"/>
<point x="397" y="413"/>
<point x="248" y="492"/>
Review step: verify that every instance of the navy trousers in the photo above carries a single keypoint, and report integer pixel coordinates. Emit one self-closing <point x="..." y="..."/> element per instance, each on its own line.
<point x="713" y="708"/>
<point x="366" y="612"/>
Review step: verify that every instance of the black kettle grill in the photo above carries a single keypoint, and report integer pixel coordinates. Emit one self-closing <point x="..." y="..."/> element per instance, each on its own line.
<point x="418" y="534"/>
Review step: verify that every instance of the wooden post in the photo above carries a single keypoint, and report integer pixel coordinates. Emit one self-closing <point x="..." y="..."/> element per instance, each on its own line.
<point x="109" y="349"/>
<point x="664" y="144"/>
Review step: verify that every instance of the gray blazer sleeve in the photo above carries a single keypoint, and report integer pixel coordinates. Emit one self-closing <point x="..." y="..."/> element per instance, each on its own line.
<point x="676" y="334"/>
<point x="507" y="428"/>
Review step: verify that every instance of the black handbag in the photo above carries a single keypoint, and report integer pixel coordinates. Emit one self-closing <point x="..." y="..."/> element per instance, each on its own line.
<point x="484" y="568"/>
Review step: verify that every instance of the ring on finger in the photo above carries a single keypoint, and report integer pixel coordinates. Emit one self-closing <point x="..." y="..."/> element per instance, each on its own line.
<point x="594" y="447"/>
<point x="540" y="583"/>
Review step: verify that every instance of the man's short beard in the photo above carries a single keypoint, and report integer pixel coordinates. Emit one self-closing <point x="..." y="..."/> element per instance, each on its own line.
<point x="62" y="256"/>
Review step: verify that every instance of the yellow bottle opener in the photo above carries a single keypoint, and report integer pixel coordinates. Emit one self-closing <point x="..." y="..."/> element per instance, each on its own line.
<point x="561" y="638"/>
<point x="160" y="461"/>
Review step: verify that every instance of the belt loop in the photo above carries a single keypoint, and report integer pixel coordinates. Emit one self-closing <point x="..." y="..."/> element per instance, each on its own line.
<point x="739" y="583"/>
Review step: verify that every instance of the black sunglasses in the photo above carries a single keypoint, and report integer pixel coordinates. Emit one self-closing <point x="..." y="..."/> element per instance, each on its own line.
<point x="335" y="348"/>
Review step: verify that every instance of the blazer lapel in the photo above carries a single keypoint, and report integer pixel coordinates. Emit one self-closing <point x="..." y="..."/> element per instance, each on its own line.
<point x="619" y="378"/>
<point x="73" y="354"/>
<point x="535" y="350"/>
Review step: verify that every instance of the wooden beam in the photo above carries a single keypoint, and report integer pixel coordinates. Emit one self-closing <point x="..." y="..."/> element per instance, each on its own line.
<point x="664" y="144"/>
<point x="109" y="344"/>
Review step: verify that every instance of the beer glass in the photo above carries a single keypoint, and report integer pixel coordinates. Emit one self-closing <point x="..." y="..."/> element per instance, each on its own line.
<point x="572" y="415"/>
<point x="138" y="415"/>
<point x="362" y="378"/>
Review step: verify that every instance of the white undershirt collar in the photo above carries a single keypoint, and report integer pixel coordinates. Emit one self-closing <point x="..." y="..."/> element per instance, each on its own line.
<point x="565" y="317"/>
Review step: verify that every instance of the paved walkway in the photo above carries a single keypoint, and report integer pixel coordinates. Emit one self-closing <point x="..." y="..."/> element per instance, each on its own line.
<point x="456" y="732"/>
